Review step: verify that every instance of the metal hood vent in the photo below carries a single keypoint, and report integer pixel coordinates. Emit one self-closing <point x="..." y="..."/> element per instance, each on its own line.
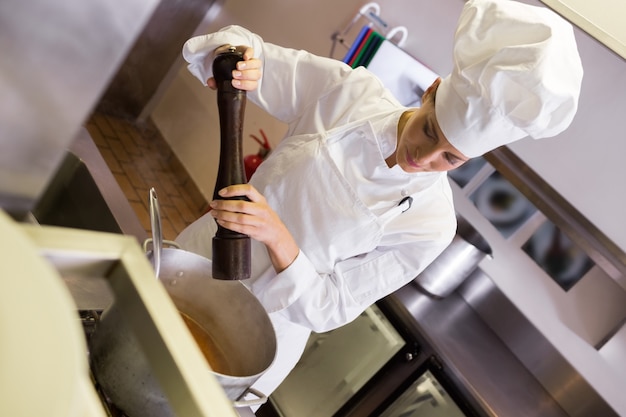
<point x="58" y="57"/>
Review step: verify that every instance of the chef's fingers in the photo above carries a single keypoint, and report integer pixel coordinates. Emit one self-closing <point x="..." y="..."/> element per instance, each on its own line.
<point x="247" y="85"/>
<point x="248" y="52"/>
<point x="242" y="190"/>
<point x="244" y="80"/>
<point x="248" y="71"/>
<point x="231" y="206"/>
<point x="230" y="209"/>
<point x="253" y="212"/>
<point x="230" y="216"/>
<point x="247" y="74"/>
<point x="233" y="215"/>
<point x="257" y="220"/>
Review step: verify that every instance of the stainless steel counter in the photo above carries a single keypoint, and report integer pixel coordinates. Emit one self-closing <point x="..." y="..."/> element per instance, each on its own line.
<point x="244" y="412"/>
<point x="473" y="355"/>
<point x="489" y="372"/>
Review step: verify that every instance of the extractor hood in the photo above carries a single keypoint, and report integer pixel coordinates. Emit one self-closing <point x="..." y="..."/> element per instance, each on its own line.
<point x="57" y="59"/>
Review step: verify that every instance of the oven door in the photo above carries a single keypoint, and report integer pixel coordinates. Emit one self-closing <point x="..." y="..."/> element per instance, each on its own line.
<point x="339" y="363"/>
<point x="427" y="393"/>
<point x="374" y="366"/>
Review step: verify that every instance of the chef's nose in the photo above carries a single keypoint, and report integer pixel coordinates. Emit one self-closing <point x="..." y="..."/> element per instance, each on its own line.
<point x="427" y="156"/>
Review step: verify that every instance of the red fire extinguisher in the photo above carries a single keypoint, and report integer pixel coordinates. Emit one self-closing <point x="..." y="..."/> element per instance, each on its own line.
<point x="251" y="162"/>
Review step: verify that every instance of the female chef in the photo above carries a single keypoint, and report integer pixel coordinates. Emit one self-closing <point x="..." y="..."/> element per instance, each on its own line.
<point x="355" y="202"/>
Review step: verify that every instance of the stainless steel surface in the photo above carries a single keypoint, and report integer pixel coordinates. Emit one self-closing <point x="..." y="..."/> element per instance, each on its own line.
<point x="543" y="361"/>
<point x="487" y="371"/>
<point x="236" y="334"/>
<point x="572" y="322"/>
<point x="57" y="58"/>
<point x="72" y="199"/>
<point x="84" y="194"/>
<point x="456" y="262"/>
<point x="229" y="312"/>
<point x="581" y="231"/>
<point x="338" y="363"/>
<point x="245" y="412"/>
<point x="153" y="55"/>
<point x="148" y="311"/>
<point x="425" y="397"/>
<point x="89" y="294"/>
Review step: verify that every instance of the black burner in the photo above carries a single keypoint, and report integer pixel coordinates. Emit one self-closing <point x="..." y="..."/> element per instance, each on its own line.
<point x="89" y="320"/>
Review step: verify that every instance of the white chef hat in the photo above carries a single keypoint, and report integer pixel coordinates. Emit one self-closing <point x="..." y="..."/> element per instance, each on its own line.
<point x="516" y="73"/>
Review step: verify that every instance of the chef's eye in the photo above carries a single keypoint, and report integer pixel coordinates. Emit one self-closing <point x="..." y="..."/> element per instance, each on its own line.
<point x="452" y="160"/>
<point x="428" y="131"/>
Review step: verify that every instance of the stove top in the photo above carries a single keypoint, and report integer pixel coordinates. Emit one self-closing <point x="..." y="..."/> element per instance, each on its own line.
<point x="89" y="320"/>
<point x="91" y="262"/>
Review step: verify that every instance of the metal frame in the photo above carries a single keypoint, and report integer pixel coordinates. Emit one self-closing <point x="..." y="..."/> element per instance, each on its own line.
<point x="604" y="252"/>
<point x="182" y="371"/>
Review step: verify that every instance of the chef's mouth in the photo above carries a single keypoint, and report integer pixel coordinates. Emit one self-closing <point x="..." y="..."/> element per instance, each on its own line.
<point x="412" y="161"/>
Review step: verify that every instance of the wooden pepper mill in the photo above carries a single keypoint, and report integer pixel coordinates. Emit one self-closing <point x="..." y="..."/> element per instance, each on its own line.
<point x="231" y="250"/>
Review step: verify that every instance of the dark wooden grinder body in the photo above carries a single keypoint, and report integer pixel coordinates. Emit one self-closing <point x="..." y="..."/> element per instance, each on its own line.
<point x="231" y="250"/>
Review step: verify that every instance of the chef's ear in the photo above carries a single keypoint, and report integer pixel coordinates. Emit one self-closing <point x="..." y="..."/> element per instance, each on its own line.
<point x="431" y="91"/>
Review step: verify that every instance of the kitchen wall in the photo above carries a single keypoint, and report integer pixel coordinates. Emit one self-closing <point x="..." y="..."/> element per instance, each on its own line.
<point x="583" y="164"/>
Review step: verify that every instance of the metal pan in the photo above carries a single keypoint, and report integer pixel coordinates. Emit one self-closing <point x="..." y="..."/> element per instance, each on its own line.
<point x="229" y="324"/>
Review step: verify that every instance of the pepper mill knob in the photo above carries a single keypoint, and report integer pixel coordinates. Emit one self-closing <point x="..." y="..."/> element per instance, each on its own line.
<point x="223" y="66"/>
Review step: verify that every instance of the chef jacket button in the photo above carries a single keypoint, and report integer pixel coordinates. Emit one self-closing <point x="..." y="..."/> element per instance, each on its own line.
<point x="408" y="200"/>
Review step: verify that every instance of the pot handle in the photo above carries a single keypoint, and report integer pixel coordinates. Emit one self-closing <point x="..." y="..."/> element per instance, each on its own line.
<point x="261" y="399"/>
<point x="171" y="243"/>
<point x="157" y="233"/>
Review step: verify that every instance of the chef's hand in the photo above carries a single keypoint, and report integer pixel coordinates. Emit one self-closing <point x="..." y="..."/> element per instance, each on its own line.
<point x="256" y="219"/>
<point x="248" y="71"/>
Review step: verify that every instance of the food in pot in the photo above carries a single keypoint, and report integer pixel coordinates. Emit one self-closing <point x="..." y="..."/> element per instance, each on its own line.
<point x="214" y="355"/>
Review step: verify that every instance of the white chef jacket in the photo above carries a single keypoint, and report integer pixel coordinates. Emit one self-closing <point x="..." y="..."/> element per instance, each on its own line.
<point x="360" y="238"/>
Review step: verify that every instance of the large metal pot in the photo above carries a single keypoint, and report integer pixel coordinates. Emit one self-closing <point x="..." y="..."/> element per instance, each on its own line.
<point x="467" y="249"/>
<point x="228" y="322"/>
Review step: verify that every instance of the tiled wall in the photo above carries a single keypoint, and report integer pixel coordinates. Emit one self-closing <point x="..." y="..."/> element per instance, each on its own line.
<point x="139" y="158"/>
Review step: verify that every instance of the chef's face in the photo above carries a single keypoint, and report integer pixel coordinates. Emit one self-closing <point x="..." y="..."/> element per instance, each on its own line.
<point x="422" y="146"/>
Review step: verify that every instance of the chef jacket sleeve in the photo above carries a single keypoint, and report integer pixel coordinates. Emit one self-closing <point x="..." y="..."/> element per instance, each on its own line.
<point x="199" y="51"/>
<point x="294" y="83"/>
<point x="323" y="302"/>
